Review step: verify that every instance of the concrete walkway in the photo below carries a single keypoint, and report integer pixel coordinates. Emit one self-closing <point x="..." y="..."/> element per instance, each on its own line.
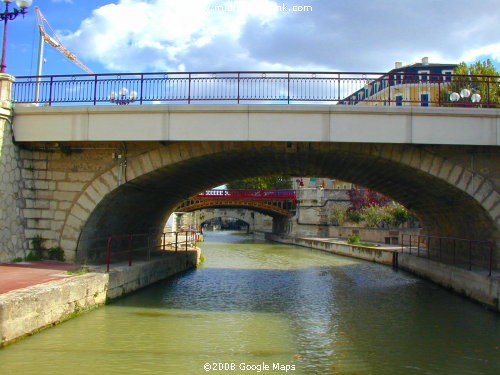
<point x="24" y="274"/>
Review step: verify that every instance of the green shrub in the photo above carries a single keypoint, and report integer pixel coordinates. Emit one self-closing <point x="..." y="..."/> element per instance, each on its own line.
<point x="37" y="245"/>
<point x="354" y="217"/>
<point x="33" y="256"/>
<point x="339" y="214"/>
<point x="353" y="239"/>
<point x="56" y="253"/>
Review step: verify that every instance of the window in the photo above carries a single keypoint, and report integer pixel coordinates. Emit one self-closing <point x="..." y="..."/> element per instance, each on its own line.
<point x="447" y="75"/>
<point x="398" y="78"/>
<point x="399" y="100"/>
<point x="424" y="100"/>
<point x="423" y="75"/>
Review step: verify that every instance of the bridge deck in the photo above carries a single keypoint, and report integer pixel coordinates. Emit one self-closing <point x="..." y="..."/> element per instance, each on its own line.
<point x="291" y="123"/>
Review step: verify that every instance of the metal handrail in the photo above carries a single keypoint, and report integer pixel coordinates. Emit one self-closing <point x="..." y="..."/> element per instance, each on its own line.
<point x="454" y="250"/>
<point x="350" y="88"/>
<point x="183" y="239"/>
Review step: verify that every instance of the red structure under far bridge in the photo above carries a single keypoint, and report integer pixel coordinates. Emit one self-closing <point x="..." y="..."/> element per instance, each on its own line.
<point x="279" y="202"/>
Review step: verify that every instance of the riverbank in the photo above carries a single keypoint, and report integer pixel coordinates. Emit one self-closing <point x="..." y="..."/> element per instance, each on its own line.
<point x="28" y="310"/>
<point x="477" y="286"/>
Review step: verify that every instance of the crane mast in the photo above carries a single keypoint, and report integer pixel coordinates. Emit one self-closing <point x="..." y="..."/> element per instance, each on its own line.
<point x="54" y="42"/>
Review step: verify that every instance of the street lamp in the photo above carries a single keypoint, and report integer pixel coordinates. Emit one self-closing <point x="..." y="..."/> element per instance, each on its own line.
<point x="123" y="97"/>
<point x="464" y="96"/>
<point x="9" y="16"/>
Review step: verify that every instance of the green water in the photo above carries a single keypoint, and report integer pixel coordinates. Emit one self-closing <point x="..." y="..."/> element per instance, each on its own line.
<point x="254" y="306"/>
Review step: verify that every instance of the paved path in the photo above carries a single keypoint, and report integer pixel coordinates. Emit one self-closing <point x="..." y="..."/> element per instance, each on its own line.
<point x="21" y="275"/>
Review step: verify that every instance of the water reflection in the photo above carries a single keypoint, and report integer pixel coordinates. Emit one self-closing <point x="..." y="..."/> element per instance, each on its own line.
<point x="255" y="302"/>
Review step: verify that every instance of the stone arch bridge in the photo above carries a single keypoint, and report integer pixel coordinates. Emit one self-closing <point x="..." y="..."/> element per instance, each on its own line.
<point x="79" y="173"/>
<point x="256" y="221"/>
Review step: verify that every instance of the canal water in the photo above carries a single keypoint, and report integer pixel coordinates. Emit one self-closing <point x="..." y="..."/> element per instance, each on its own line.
<point x="260" y="308"/>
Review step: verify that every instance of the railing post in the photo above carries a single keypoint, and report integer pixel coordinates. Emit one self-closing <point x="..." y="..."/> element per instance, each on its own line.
<point x="164" y="243"/>
<point x="389" y="90"/>
<point x="488" y="91"/>
<point x="176" y="240"/>
<point x="51" y="89"/>
<point x="108" y="254"/>
<point x="141" y="89"/>
<point x="238" y="99"/>
<point x="439" y="92"/>
<point x="189" y="88"/>
<point x="186" y="240"/>
<point x="288" y="89"/>
<point x="95" y="89"/>
<point x="338" y="86"/>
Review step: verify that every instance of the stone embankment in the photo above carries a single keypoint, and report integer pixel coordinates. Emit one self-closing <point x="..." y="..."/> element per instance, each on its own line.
<point x="29" y="310"/>
<point x="381" y="254"/>
<point x="477" y="286"/>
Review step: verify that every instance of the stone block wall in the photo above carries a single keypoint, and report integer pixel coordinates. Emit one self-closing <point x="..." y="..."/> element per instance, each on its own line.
<point x="13" y="243"/>
<point x="29" y="310"/>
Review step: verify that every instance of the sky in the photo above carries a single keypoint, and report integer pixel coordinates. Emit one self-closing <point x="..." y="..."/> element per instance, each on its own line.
<point x="242" y="35"/>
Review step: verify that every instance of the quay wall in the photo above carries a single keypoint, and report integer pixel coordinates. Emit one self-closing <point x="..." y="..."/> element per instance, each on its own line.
<point x="26" y="311"/>
<point x="474" y="285"/>
<point x="481" y="288"/>
<point x="383" y="255"/>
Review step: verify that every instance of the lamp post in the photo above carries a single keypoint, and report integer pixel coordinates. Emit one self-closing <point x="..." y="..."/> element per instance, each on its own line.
<point x="9" y="16"/>
<point x="123" y="97"/>
<point x="464" y="96"/>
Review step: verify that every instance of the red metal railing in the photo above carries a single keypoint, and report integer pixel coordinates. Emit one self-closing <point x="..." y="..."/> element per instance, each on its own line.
<point x="122" y="246"/>
<point x="350" y="88"/>
<point x="278" y="194"/>
<point x="457" y="251"/>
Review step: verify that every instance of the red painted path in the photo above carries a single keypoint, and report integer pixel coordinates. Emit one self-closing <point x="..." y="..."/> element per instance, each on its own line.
<point x="21" y="275"/>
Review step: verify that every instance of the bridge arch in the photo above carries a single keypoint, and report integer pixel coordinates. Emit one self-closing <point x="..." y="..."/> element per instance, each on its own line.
<point x="451" y="189"/>
<point x="254" y="219"/>
<point x="262" y="207"/>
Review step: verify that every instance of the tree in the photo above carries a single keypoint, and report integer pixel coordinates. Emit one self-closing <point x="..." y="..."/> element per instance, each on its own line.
<point x="373" y="216"/>
<point x="262" y="183"/>
<point x="339" y="214"/>
<point x="480" y="77"/>
<point x="361" y="198"/>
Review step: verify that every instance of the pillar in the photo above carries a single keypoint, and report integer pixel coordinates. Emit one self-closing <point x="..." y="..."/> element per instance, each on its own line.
<point x="12" y="240"/>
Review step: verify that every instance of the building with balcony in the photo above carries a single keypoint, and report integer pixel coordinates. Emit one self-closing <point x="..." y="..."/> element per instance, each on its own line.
<point x="418" y="84"/>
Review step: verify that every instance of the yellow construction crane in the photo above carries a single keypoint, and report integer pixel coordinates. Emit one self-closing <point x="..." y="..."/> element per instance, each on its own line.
<point x="54" y="42"/>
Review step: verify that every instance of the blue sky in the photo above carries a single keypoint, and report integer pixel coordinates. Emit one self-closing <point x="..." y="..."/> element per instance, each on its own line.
<point x="189" y="35"/>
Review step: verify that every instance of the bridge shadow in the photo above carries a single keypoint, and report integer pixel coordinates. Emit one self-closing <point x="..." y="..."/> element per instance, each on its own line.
<point x="353" y="308"/>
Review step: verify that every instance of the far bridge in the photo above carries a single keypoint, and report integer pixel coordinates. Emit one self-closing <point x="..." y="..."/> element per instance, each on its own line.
<point x="275" y="203"/>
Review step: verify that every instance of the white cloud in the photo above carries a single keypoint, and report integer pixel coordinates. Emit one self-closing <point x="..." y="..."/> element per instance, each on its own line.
<point x="158" y="35"/>
<point x="355" y="35"/>
<point x="491" y="50"/>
